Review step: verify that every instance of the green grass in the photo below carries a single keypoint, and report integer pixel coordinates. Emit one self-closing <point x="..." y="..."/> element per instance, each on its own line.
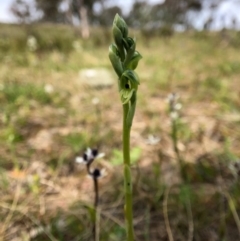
<point x="14" y="92"/>
<point x="40" y="186"/>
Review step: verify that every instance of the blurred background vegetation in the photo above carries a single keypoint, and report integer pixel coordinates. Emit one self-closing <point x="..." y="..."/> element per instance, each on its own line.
<point x="58" y="96"/>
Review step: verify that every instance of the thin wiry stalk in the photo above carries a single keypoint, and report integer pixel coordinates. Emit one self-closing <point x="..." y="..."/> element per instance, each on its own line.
<point x="233" y="210"/>
<point x="95" y="224"/>
<point x="174" y="107"/>
<point x="190" y="220"/>
<point x="95" y="175"/>
<point x="165" y="214"/>
<point x="176" y="150"/>
<point x="174" y="134"/>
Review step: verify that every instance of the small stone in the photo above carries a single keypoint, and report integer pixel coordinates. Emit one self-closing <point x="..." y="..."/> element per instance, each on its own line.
<point x="96" y="78"/>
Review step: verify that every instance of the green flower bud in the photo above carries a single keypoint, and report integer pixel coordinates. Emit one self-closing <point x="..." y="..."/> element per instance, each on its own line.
<point x="115" y="59"/>
<point x="132" y="77"/>
<point x="130" y="46"/>
<point x="128" y="85"/>
<point x="126" y="95"/>
<point x="129" y="43"/>
<point x="118" y="39"/>
<point x="121" y="25"/>
<point x="133" y="63"/>
<point x="117" y="35"/>
<point x="120" y="31"/>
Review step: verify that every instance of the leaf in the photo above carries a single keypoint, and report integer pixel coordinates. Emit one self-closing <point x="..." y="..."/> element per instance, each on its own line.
<point x="117" y="158"/>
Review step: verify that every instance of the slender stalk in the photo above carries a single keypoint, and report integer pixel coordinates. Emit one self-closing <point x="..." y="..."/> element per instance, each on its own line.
<point x="95" y="175"/>
<point x="174" y="107"/>
<point x="176" y="150"/>
<point x="165" y="215"/>
<point x="233" y="210"/>
<point x="190" y="219"/>
<point x="95" y="224"/>
<point x="95" y="180"/>
<point x="88" y="158"/>
<point x="127" y="175"/>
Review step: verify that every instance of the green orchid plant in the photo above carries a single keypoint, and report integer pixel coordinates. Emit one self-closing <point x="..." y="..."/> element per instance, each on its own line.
<point x="124" y="59"/>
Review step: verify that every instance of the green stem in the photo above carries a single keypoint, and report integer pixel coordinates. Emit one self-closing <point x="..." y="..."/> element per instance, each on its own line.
<point x="127" y="175"/>
<point x="175" y="141"/>
<point x="95" y="224"/>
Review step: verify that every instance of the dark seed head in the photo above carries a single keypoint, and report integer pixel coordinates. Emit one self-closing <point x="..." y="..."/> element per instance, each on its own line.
<point x="94" y="152"/>
<point x="96" y="173"/>
<point x="85" y="157"/>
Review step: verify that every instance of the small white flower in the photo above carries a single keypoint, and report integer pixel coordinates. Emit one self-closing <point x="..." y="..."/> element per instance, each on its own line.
<point x="174" y="115"/>
<point x="174" y="106"/>
<point x="95" y="101"/>
<point x="89" y="155"/>
<point x="32" y="43"/>
<point x="80" y="160"/>
<point x="173" y="97"/>
<point x="152" y="140"/>
<point x="100" y="155"/>
<point x="48" y="88"/>
<point x="178" y="106"/>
